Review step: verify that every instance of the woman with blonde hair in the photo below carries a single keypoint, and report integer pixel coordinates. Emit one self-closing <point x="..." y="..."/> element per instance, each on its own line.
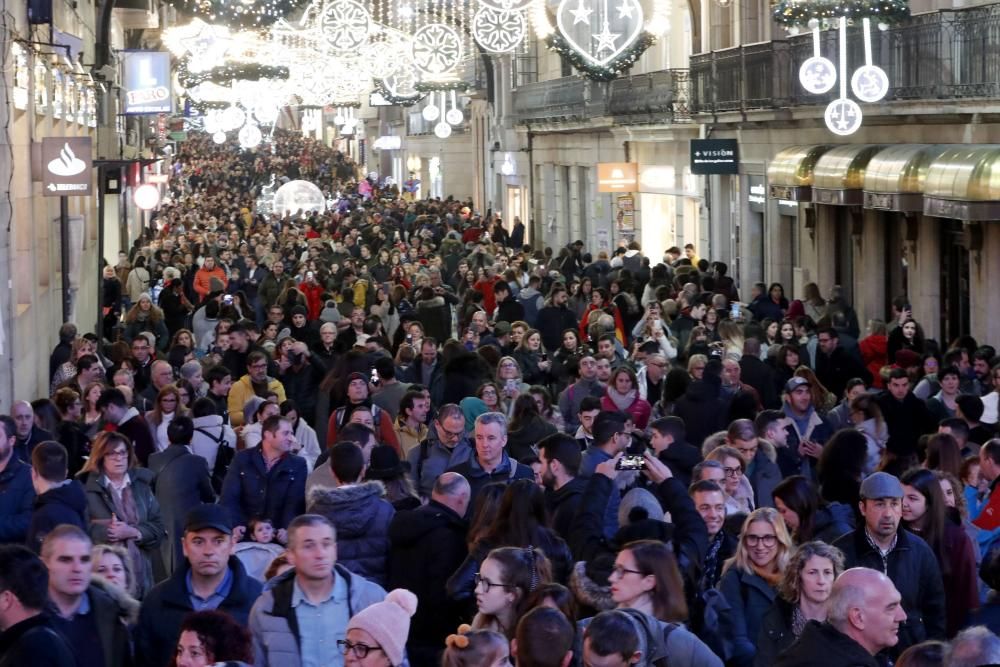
<point x="750" y="578"/>
<point x="67" y="371"/>
<point x="144" y="317"/>
<point x="111" y="562"/>
<point x="167" y="406"/>
<point x="731" y="336"/>
<point x="803" y="592"/>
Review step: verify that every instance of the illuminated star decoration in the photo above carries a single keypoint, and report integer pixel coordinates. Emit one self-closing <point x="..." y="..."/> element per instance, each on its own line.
<point x="624" y="10"/>
<point x="606" y="39"/>
<point x="581" y="14"/>
<point x="207" y="47"/>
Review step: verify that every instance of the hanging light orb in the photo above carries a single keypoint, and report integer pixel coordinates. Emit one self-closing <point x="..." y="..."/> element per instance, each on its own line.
<point x="266" y="113"/>
<point x="146" y="196"/>
<point x="219" y="137"/>
<point x="813" y="24"/>
<point x="883" y="26"/>
<point x="442" y="130"/>
<point x="454" y="117"/>
<point x="431" y="113"/>
<point x="233" y="118"/>
<point x="250" y="136"/>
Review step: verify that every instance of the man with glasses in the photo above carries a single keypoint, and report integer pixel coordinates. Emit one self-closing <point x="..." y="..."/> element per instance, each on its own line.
<point x="255" y="383"/>
<point x="301" y="620"/>
<point x="446" y="446"/>
<point x="650" y="378"/>
<point x="879" y="544"/>
<point x="144" y="356"/>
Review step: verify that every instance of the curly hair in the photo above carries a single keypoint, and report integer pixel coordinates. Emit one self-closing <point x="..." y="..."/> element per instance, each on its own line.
<point x="222" y="637"/>
<point x="789" y="588"/>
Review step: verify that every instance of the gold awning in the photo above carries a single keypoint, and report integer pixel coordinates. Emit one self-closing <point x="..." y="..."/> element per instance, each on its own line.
<point x="963" y="182"/>
<point x="790" y="174"/>
<point x="895" y="177"/>
<point x="840" y="173"/>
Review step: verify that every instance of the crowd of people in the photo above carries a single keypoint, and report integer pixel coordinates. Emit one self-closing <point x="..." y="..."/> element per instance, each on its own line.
<point x="547" y="457"/>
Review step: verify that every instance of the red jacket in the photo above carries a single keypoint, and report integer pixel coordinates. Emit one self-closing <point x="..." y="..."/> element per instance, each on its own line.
<point x="314" y="298"/>
<point x="874" y="353"/>
<point x="203" y="280"/>
<point x="639" y="411"/>
<point x="489" y="298"/>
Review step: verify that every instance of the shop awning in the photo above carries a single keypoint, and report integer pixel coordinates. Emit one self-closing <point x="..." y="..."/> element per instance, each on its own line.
<point x="838" y="178"/>
<point x="963" y="182"/>
<point x="790" y="174"/>
<point x="895" y="177"/>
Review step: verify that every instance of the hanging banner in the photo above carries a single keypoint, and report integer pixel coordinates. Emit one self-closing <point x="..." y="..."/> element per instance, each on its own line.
<point x="715" y="156"/>
<point x="146" y="80"/>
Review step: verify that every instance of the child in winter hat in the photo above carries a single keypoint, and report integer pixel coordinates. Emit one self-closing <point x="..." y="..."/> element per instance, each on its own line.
<point x="385" y="623"/>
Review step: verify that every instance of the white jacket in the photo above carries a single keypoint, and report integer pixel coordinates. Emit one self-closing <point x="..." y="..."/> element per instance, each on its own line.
<point x="206" y="445"/>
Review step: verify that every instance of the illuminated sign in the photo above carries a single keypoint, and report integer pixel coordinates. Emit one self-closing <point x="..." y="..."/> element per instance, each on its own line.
<point x="147" y="82"/>
<point x="617" y="177"/>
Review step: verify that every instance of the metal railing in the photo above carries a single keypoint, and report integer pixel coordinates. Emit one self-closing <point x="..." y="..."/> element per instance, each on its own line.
<point x="947" y="54"/>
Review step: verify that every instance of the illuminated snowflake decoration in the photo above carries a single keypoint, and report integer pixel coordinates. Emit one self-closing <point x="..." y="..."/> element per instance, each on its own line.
<point x="437" y="49"/>
<point x="345" y="25"/>
<point x="507" y="5"/>
<point x="498" y="30"/>
<point x="375" y="58"/>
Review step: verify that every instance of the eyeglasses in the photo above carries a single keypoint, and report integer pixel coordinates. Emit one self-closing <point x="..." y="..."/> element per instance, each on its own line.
<point x="754" y="540"/>
<point x="620" y="571"/>
<point x="487" y="584"/>
<point x="117" y="454"/>
<point x="258" y="367"/>
<point x="733" y="472"/>
<point x="360" y="651"/>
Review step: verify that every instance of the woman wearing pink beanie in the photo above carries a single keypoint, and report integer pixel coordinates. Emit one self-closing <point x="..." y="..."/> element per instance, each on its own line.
<point x="376" y="635"/>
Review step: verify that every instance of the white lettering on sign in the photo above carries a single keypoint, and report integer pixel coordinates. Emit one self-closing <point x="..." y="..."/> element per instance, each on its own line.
<point x="147" y="95"/>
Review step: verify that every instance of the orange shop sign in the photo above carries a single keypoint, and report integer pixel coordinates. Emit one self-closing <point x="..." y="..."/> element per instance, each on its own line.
<point x="617" y="177"/>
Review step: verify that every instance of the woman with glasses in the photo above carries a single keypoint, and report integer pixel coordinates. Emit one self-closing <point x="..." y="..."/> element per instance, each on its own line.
<point x="503" y="585"/>
<point x="645" y="577"/>
<point x="489" y="394"/>
<point x="511" y="383"/>
<point x="123" y="509"/>
<point x="168" y="405"/>
<point x="803" y="593"/>
<point x="739" y="491"/>
<point x="750" y="578"/>
<point x="376" y="635"/>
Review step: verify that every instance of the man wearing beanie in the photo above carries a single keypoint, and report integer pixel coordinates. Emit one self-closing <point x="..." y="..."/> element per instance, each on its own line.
<point x="380" y="629"/>
<point x="880" y="544"/>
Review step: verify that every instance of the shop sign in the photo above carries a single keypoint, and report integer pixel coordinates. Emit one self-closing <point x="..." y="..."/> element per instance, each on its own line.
<point x="715" y="156"/>
<point x="756" y="194"/>
<point x="617" y="177"/>
<point x="66" y="166"/>
<point x="147" y="82"/>
<point x="388" y="143"/>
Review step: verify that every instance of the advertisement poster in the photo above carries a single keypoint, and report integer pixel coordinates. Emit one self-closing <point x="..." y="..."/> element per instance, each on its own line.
<point x="146" y="79"/>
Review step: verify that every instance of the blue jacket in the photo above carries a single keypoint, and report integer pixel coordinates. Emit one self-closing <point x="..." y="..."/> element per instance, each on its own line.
<point x="506" y="472"/>
<point x="251" y="490"/>
<point x="361" y="516"/>
<point x="749" y="598"/>
<point x="17" y="497"/>
<point x="63" y="504"/>
<point x="430" y="458"/>
<point x="591" y="459"/>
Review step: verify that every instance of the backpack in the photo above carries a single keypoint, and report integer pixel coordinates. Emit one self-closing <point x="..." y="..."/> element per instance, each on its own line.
<point x="223" y="457"/>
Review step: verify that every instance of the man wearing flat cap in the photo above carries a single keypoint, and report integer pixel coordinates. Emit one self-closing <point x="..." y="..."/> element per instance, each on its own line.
<point x="210" y="577"/>
<point x="881" y="544"/>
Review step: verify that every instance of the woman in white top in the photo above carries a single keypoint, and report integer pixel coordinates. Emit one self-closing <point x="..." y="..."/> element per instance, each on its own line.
<point x="168" y="405"/>
<point x="306" y="443"/>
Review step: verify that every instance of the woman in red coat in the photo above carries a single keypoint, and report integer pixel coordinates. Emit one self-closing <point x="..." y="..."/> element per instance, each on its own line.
<point x="601" y="300"/>
<point x="622" y="395"/>
<point x="874" y="351"/>
<point x="313" y="292"/>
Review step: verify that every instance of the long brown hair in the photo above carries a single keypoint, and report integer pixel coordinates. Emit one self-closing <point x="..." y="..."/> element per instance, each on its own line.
<point x="656" y="559"/>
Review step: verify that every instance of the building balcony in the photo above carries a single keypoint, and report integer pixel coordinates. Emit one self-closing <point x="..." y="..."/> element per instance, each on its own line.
<point x="656" y="97"/>
<point x="944" y="55"/>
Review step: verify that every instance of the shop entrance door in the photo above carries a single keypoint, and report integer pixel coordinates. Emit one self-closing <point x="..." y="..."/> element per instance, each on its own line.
<point x="954" y="281"/>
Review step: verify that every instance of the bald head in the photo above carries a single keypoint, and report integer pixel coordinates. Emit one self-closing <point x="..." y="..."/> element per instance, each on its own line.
<point x="161" y="373"/>
<point x="453" y="491"/>
<point x="23" y="416"/>
<point x="865" y="605"/>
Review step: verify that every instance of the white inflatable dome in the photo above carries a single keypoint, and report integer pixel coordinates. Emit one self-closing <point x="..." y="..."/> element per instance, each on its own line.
<point x="295" y="195"/>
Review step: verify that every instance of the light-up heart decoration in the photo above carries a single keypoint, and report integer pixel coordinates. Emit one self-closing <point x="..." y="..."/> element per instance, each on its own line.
<point x="601" y="37"/>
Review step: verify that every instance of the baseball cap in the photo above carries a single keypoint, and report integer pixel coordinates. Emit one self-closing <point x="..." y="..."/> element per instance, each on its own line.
<point x="208" y="516"/>
<point x="794" y="383"/>
<point x="881" y="485"/>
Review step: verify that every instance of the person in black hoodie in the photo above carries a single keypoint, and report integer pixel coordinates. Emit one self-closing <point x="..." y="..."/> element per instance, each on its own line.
<point x="560" y="456"/>
<point x="668" y="438"/>
<point x="702" y="407"/>
<point x="58" y="500"/>
<point x="427" y="544"/>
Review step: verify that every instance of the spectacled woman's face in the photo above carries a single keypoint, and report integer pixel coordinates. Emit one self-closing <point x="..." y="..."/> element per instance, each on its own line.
<point x="761" y="542"/>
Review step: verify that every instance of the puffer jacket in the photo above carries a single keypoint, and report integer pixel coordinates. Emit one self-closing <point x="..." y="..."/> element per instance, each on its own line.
<point x="242" y="391"/>
<point x="361" y="516"/>
<point x="275" y="628"/>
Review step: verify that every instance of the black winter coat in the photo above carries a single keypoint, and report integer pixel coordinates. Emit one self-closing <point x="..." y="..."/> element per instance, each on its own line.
<point x="521" y="441"/>
<point x="552" y="321"/>
<point x="251" y="490"/>
<point x="17" y="497"/>
<point x="563" y="504"/>
<point x="914" y="570"/>
<point x="166" y="605"/>
<point x="530" y="372"/>
<point x="34" y="641"/>
<point x="822" y="645"/>
<point x="426" y="546"/>
<point x="760" y="376"/>
<point x="361" y="516"/>
<point x="702" y="409"/>
<point x="775" y="633"/>
<point x="63" y="504"/>
<point x="181" y="482"/>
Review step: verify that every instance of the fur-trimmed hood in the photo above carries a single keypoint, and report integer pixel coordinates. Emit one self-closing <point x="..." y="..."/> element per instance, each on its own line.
<point x="128" y="606"/>
<point x="435" y="302"/>
<point x="353" y="508"/>
<point x="588" y="591"/>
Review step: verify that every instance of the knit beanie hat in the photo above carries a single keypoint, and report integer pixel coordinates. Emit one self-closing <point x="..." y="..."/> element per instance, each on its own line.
<point x="388" y="622"/>
<point x="639" y="504"/>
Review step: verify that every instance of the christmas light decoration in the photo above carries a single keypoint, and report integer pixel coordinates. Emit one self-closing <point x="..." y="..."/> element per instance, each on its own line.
<point x="345" y="25"/>
<point x="242" y="14"/>
<point x="250" y="136"/>
<point x="437" y="49"/>
<point x="219" y="137"/>
<point x="799" y="13"/>
<point x="498" y="30"/>
<point x="298" y="195"/>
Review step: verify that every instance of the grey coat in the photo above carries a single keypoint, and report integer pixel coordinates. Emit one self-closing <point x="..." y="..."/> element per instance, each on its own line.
<point x="275" y="628"/>
<point x="181" y="482"/>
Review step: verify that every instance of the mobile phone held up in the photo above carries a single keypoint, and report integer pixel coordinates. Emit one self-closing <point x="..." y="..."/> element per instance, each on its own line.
<point x="631" y="463"/>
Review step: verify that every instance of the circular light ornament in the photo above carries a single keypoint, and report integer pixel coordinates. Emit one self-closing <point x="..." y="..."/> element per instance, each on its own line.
<point x="146" y="196"/>
<point x="295" y="195"/>
<point x="818" y="75"/>
<point x="431" y="113"/>
<point x="498" y="31"/>
<point x="266" y="113"/>
<point x="233" y="118"/>
<point x="219" y="137"/>
<point x="454" y="117"/>
<point x="870" y="83"/>
<point x="212" y="122"/>
<point x="344" y="25"/>
<point x="250" y="136"/>
<point x="437" y="49"/>
<point x="442" y="130"/>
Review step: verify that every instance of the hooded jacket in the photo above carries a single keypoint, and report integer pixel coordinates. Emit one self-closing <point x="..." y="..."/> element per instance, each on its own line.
<point x="361" y="516"/>
<point x="822" y="645"/>
<point x="166" y="605"/>
<point x="66" y="503"/>
<point x="506" y="472"/>
<point x="427" y="545"/>
<point x="702" y="409"/>
<point x="660" y="643"/>
<point x="832" y="521"/>
<point x="35" y="641"/>
<point x="275" y="627"/>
